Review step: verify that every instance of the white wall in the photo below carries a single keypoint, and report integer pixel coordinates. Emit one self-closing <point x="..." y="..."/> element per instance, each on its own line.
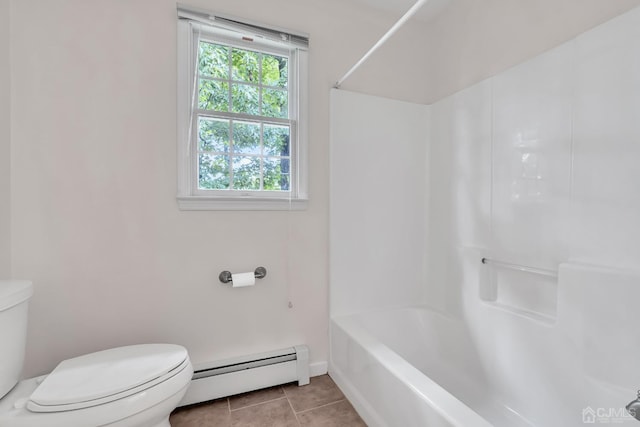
<point x="96" y="225"/>
<point x="396" y="70"/>
<point x="5" y="142"/>
<point x="473" y="40"/>
<point x="378" y="203"/>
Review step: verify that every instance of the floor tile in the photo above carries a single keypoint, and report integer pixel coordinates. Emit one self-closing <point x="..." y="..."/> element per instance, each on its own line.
<point x="319" y="404"/>
<point x="255" y="397"/>
<point x="277" y="413"/>
<point x="215" y="413"/>
<point x="321" y="391"/>
<point x="338" y="414"/>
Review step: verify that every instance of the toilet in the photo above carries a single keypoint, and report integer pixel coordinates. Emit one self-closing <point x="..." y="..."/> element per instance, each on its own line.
<point x="133" y="386"/>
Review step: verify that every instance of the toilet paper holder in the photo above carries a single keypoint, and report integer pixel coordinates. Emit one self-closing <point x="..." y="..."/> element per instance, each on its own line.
<point x="225" y="276"/>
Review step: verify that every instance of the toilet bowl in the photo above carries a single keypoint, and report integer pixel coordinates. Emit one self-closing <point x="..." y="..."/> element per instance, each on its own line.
<point x="133" y="386"/>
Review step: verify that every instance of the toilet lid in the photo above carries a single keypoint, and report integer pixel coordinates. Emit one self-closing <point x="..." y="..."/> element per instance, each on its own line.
<point x="106" y="373"/>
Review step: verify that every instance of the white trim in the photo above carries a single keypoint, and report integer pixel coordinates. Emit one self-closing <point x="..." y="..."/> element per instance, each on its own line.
<point x="202" y="203"/>
<point x="243" y="26"/>
<point x="216" y="36"/>
<point x="318" y="368"/>
<point x="243" y="194"/>
<point x="301" y="154"/>
<point x="185" y="65"/>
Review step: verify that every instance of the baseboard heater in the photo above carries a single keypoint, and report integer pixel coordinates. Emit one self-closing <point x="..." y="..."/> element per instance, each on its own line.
<point x="247" y="373"/>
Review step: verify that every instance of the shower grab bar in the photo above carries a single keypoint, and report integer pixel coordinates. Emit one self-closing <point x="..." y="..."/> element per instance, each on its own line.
<point x="524" y="268"/>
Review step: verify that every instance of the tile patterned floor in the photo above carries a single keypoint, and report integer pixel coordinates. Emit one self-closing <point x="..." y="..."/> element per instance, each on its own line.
<point x="319" y="404"/>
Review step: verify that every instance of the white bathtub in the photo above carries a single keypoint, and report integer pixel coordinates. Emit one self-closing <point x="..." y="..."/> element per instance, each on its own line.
<point x="495" y="367"/>
<point x="414" y="367"/>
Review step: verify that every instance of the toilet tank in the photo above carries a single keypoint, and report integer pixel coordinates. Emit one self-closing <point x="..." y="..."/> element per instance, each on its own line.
<point x="14" y="301"/>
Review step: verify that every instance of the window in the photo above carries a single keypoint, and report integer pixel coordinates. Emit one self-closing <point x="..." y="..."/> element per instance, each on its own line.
<point x="241" y="112"/>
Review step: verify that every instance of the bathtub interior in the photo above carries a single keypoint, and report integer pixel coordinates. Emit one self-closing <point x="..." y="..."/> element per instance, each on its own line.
<point x="508" y="369"/>
<point x="447" y="370"/>
<point x="385" y="388"/>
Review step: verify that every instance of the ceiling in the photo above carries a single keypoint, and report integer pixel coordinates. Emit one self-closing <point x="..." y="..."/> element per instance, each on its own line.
<point x="398" y="7"/>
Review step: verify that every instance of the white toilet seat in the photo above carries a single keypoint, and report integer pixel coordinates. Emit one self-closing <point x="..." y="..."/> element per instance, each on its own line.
<point x="144" y="405"/>
<point x="102" y="377"/>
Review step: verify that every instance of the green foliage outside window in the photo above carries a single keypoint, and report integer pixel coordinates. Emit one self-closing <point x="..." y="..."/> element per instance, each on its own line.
<point x="243" y="154"/>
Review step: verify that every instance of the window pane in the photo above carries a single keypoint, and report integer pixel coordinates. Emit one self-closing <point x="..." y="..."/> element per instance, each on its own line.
<point x="275" y="70"/>
<point x="245" y="99"/>
<point x="246" y="173"/>
<point x="276" y="140"/>
<point x="213" y="172"/>
<point x="276" y="174"/>
<point x="275" y="103"/>
<point x="246" y="138"/>
<point x="213" y="134"/>
<point x="213" y="95"/>
<point x="245" y="65"/>
<point x="213" y="60"/>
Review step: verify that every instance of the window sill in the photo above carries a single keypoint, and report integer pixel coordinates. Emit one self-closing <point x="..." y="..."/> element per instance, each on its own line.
<point x="203" y="203"/>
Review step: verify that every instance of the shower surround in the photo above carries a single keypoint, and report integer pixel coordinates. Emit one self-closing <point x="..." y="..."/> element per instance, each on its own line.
<point x="534" y="167"/>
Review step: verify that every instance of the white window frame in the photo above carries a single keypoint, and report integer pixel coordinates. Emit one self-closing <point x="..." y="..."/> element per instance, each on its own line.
<point x="190" y="197"/>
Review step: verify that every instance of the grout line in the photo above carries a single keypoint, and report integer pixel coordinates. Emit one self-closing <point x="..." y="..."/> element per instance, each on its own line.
<point x="294" y="412"/>
<point x="229" y="405"/>
<point x="285" y="390"/>
<point x="322" y="406"/>
<point x="256" y="404"/>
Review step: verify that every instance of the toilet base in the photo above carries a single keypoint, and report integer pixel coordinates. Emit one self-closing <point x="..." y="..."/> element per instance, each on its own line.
<point x="162" y="409"/>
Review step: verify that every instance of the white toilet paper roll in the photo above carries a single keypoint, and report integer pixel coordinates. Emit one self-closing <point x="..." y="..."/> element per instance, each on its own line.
<point x="241" y="280"/>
